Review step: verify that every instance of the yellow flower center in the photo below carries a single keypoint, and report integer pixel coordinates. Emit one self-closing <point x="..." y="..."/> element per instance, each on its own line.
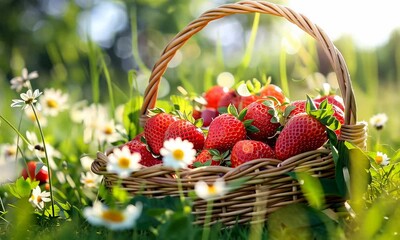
<point x="51" y="103"/>
<point x="113" y="216"/>
<point x="378" y="159"/>
<point x="10" y="152"/>
<point x="178" y="154"/>
<point x="39" y="199"/>
<point x="212" y="190"/>
<point x="89" y="181"/>
<point x="124" y="162"/>
<point x="108" y="130"/>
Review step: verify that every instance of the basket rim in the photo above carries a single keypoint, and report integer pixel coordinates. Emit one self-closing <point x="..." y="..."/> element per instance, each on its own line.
<point x="242" y="7"/>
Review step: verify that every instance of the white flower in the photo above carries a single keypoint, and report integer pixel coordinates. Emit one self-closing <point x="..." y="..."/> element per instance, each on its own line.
<point x="381" y="159"/>
<point x="379" y="120"/>
<point x="90" y="180"/>
<point x="53" y="101"/>
<point x="91" y="120"/>
<point x="31" y="116"/>
<point x="8" y="152"/>
<point x="27" y="99"/>
<point x="123" y="162"/>
<point x="206" y="192"/>
<point x="119" y="113"/>
<point x="19" y="82"/>
<point x="177" y="153"/>
<point x="37" y="148"/>
<point x="86" y="162"/>
<point x="108" y="131"/>
<point x="114" y="219"/>
<point x="38" y="198"/>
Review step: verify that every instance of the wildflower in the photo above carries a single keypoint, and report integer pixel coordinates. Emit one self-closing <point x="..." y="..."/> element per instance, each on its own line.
<point x="108" y="131"/>
<point x="90" y="180"/>
<point x="38" y="198"/>
<point x="123" y="162"/>
<point x="37" y="148"/>
<point x="8" y="163"/>
<point x="19" y="82"/>
<point x="32" y="117"/>
<point x="177" y="153"/>
<point x="379" y="120"/>
<point x="53" y="102"/>
<point x="114" y="219"/>
<point x="8" y="152"/>
<point x="381" y="159"/>
<point x="27" y="99"/>
<point x="209" y="192"/>
<point x="86" y="162"/>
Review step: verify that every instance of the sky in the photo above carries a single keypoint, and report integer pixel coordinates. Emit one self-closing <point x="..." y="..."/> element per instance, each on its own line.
<point x="369" y="22"/>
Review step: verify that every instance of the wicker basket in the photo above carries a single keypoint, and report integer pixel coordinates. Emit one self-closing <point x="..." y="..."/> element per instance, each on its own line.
<point x="269" y="186"/>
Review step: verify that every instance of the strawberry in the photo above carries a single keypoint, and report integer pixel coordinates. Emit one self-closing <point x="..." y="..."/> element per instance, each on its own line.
<point x="147" y="159"/>
<point x="213" y="95"/>
<point x="186" y="131"/>
<point x="335" y="100"/>
<point x="272" y="90"/>
<point x="208" y="114"/>
<point x="262" y="114"/>
<point x="301" y="133"/>
<point x="227" y="129"/>
<point x="139" y="136"/>
<point x="29" y="171"/>
<point x="155" y="128"/>
<point x="247" y="100"/>
<point x="247" y="150"/>
<point x="231" y="97"/>
<point x="206" y="155"/>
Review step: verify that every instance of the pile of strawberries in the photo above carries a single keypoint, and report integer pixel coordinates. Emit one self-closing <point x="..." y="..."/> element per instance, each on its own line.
<point x="231" y="129"/>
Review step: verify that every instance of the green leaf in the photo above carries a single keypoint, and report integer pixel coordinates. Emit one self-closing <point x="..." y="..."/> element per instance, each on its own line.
<point x="312" y="189"/>
<point x="288" y="110"/>
<point x="23" y="187"/>
<point x="131" y="116"/>
<point x="298" y="221"/>
<point x="181" y="103"/>
<point x="120" y="194"/>
<point x="242" y="114"/>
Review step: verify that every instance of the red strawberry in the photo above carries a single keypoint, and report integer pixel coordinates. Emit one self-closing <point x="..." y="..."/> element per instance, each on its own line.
<point x="204" y="156"/>
<point x="300" y="107"/>
<point x="154" y="130"/>
<point x="230" y="97"/>
<point x="259" y="112"/>
<point x="213" y="95"/>
<point x="335" y="100"/>
<point x="272" y="90"/>
<point x="301" y="133"/>
<point x="147" y="159"/>
<point x="42" y="175"/>
<point x="186" y="131"/>
<point x="224" y="132"/>
<point x="246" y="101"/>
<point x="247" y="150"/>
<point x="208" y="115"/>
<point x="139" y="136"/>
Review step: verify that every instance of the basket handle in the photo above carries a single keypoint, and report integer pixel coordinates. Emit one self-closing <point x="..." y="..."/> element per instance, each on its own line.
<point x="335" y="57"/>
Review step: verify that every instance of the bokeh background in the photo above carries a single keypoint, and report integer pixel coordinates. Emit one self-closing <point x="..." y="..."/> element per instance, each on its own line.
<point x="66" y="42"/>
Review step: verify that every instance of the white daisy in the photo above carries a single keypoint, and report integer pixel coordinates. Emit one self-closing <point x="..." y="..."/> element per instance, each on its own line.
<point x="31" y="116"/>
<point x="108" y="131"/>
<point x="379" y="120"/>
<point x="36" y="147"/>
<point x="209" y="192"/>
<point x="91" y="120"/>
<point x="123" y="162"/>
<point x="27" y="99"/>
<point x="86" y="162"/>
<point x="90" y="180"/>
<point x="381" y="159"/>
<point x="19" y="82"/>
<point x="114" y="219"/>
<point x="177" y="153"/>
<point x="53" y="101"/>
<point x="8" y="152"/>
<point x="8" y="163"/>
<point x="38" y="198"/>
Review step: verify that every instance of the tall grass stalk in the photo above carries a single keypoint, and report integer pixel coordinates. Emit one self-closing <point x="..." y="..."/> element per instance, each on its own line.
<point x="282" y="71"/>
<point x="109" y="84"/>
<point x="206" y="229"/>
<point x="249" y="47"/>
<point x="94" y="71"/>
<point x="135" y="44"/>
<point x="46" y="158"/>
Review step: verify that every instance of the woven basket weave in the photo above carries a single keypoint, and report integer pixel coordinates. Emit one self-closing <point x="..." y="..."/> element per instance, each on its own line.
<point x="269" y="186"/>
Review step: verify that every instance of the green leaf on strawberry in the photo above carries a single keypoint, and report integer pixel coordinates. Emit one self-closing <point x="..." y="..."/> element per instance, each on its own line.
<point x="324" y="113"/>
